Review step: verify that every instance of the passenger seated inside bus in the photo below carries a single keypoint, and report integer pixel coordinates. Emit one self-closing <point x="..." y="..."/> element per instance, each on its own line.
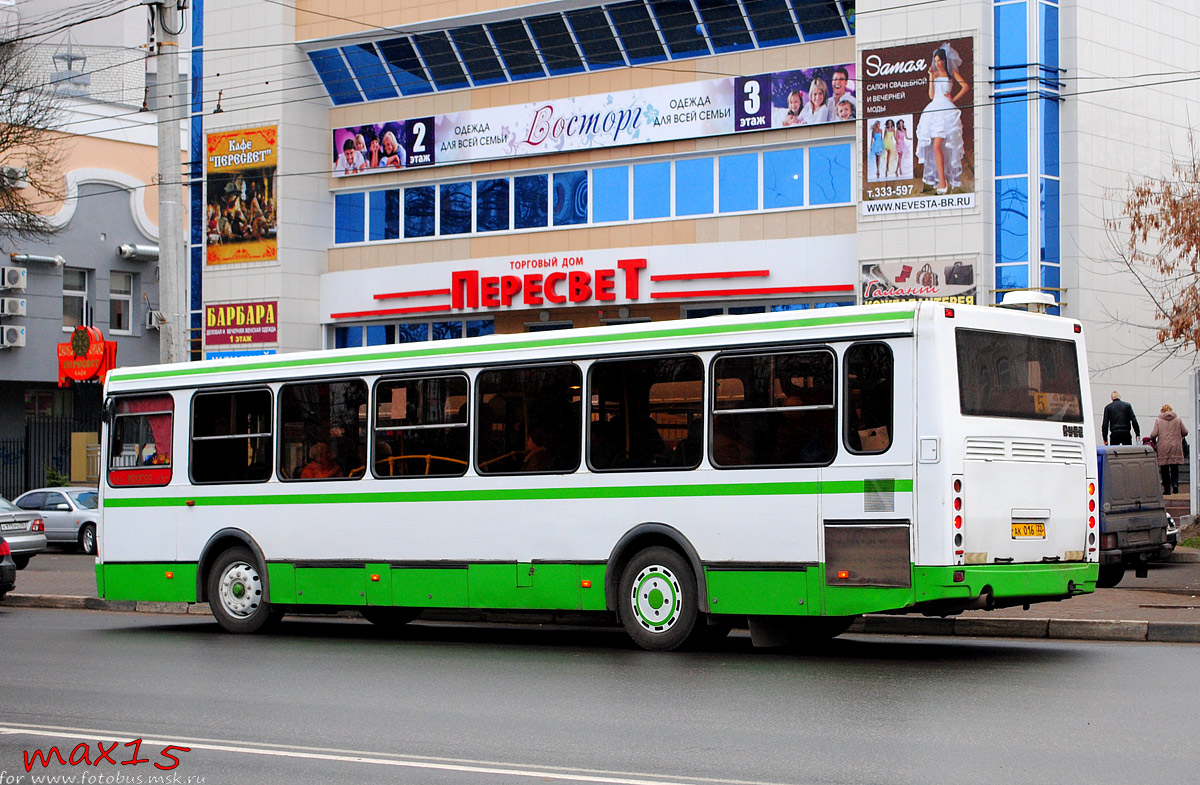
<point x="321" y="463"/>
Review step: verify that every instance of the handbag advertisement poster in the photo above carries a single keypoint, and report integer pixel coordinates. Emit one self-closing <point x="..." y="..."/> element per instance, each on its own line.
<point x="952" y="281"/>
<point x="918" y="127"/>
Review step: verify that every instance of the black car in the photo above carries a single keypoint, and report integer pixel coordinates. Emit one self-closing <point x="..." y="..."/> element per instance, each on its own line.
<point x="8" y="569"/>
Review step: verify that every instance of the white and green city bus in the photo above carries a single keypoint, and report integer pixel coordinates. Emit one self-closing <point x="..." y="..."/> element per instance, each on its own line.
<point x="787" y="471"/>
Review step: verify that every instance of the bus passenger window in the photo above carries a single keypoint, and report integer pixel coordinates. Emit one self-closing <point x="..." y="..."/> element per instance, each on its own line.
<point x="528" y="420"/>
<point x="231" y="436"/>
<point x="421" y="428"/>
<point x="774" y="410"/>
<point x="323" y="430"/>
<point x="869" y="388"/>
<point x="646" y="414"/>
<point x="140" y="441"/>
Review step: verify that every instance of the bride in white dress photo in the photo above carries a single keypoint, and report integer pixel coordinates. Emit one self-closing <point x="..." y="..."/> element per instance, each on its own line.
<point x="939" y="131"/>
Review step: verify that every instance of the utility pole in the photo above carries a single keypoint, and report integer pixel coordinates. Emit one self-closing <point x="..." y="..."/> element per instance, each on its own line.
<point x="170" y="98"/>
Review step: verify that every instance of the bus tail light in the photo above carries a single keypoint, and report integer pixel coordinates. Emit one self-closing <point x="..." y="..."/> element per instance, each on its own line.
<point x="1091" y="504"/>
<point x="956" y="496"/>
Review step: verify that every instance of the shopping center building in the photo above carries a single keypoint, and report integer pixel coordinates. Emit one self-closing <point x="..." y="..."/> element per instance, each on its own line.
<point x="384" y="172"/>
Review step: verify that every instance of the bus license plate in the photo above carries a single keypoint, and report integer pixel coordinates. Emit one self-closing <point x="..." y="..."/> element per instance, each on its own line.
<point x="1029" y="531"/>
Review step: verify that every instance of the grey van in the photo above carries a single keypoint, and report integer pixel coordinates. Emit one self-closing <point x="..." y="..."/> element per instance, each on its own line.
<point x="1133" y="518"/>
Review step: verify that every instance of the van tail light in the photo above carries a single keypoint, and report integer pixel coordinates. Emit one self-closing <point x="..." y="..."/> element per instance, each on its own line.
<point x="38" y="525"/>
<point x="4" y="549"/>
<point x="1108" y="541"/>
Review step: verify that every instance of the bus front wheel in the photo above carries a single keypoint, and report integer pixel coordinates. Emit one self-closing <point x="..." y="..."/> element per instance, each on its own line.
<point x="236" y="593"/>
<point x="658" y="599"/>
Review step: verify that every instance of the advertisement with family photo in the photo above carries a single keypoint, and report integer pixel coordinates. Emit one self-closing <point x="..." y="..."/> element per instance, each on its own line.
<point x="918" y="127"/>
<point x="363" y="149"/>
<point x="240" y="183"/>
<point x="952" y="281"/>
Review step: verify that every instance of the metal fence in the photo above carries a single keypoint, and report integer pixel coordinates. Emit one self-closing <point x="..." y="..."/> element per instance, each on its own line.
<point x="24" y="463"/>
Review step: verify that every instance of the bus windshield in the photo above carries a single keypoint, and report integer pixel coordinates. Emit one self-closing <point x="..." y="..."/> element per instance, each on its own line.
<point x="1021" y="376"/>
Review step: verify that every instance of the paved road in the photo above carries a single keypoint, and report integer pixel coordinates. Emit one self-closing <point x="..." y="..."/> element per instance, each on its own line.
<point x="491" y="706"/>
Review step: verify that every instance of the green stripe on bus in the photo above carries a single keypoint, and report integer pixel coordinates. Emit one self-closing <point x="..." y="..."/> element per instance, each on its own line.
<point x="440" y="349"/>
<point x="513" y="494"/>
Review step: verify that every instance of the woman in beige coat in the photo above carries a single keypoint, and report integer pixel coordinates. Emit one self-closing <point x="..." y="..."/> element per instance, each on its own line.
<point x="1168" y="436"/>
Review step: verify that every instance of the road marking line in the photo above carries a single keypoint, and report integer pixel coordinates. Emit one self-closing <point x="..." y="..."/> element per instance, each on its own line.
<point x="380" y="759"/>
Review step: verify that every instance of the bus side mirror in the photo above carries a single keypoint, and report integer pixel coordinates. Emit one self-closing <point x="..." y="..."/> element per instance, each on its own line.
<point x="107" y="410"/>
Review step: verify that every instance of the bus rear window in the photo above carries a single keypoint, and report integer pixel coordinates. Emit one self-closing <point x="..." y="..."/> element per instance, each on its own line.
<point x="1021" y="376"/>
<point x="139" y="451"/>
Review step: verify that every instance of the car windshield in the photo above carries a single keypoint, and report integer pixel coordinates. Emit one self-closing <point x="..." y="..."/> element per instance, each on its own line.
<point x="7" y="506"/>
<point x="86" y="500"/>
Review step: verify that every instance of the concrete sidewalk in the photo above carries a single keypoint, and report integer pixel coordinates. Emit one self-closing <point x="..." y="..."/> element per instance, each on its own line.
<point x="1164" y="606"/>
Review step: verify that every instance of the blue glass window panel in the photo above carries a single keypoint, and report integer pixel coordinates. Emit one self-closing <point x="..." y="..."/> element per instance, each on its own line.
<point x="1012" y="135"/>
<point x="405" y="66"/>
<point x="443" y="63"/>
<point x="1049" y="44"/>
<point x="368" y="67"/>
<point x="347" y="337"/>
<point x="335" y="76"/>
<point x="1050" y="137"/>
<point x="680" y="27"/>
<point x="491" y="205"/>
<point x="380" y="334"/>
<point x="829" y="174"/>
<point x="455" y="210"/>
<point x="384" y="217"/>
<point x="783" y="179"/>
<point x="348" y="217"/>
<point x="595" y="38"/>
<point x="1011" y="276"/>
<point x="446" y="331"/>
<point x="738" y="176"/>
<point x="478" y="327"/>
<point x="1012" y="220"/>
<point x="412" y="333"/>
<point x="1051" y="221"/>
<point x="637" y="32"/>
<point x="1051" y="277"/>
<point x="725" y="25"/>
<point x="694" y="196"/>
<point x="702" y="313"/>
<point x="418" y="211"/>
<point x="652" y="190"/>
<point x="819" y="19"/>
<point x="556" y="45"/>
<point x="570" y="198"/>
<point x="772" y="22"/>
<point x="610" y="194"/>
<point x="740" y="310"/>
<point x="478" y="54"/>
<point x="516" y="50"/>
<point x="530" y="201"/>
<point x="1011" y="46"/>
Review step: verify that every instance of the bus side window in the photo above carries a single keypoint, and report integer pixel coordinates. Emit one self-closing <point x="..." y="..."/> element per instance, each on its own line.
<point x="231" y="436"/>
<point x="645" y="414"/>
<point x="323" y="430"/>
<point x="774" y="409"/>
<point x="528" y="420"/>
<point x="421" y="427"/>
<point x="869" y="397"/>
<point x="139" y="449"/>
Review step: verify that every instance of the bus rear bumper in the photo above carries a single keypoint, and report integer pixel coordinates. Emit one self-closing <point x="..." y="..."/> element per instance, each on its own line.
<point x="990" y="586"/>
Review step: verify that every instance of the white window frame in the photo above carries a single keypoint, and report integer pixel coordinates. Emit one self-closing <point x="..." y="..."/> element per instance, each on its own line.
<point x="126" y="297"/>
<point x="77" y="294"/>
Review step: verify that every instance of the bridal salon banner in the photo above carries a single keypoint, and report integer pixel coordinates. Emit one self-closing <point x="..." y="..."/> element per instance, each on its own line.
<point x="952" y="281"/>
<point x="806" y="96"/>
<point x="918" y="127"/>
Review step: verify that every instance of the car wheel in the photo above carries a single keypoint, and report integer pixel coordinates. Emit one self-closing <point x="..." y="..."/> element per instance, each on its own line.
<point x="1110" y="575"/>
<point x="236" y="593"/>
<point x="87" y="539"/>
<point x="21" y="561"/>
<point x="658" y="599"/>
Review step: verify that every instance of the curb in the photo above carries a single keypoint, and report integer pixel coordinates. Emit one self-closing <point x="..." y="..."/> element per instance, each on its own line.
<point x="870" y="624"/>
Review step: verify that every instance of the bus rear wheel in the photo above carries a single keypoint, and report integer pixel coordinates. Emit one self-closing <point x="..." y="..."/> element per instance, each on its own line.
<point x="236" y="593"/>
<point x="658" y="599"/>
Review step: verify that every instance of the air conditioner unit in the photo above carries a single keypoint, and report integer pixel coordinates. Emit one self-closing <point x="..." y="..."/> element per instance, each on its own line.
<point x="11" y="335"/>
<point x="12" y="277"/>
<point x="12" y="306"/>
<point x="155" y="319"/>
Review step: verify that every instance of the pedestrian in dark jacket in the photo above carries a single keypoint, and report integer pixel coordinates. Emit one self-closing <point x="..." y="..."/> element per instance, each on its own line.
<point x="1167" y="436"/>
<point x="1119" y="421"/>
